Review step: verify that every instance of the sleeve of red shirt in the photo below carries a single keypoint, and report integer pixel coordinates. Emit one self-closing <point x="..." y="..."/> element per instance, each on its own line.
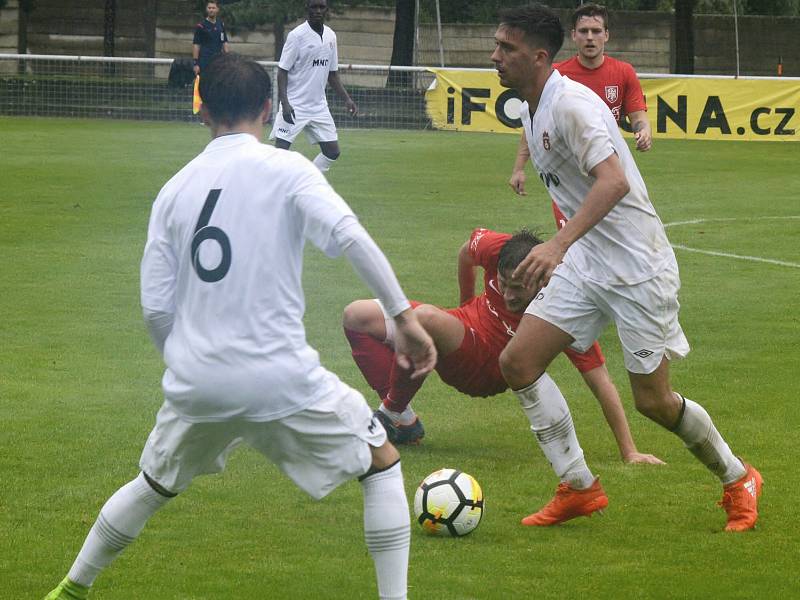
<point x="634" y="97"/>
<point x="485" y="246"/>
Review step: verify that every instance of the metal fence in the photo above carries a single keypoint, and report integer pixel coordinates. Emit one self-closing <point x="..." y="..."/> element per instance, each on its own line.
<point x="161" y="89"/>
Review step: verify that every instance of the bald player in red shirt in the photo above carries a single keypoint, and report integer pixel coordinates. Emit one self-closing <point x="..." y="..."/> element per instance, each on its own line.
<point x="469" y="340"/>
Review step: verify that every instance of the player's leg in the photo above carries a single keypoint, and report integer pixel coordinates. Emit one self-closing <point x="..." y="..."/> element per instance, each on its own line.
<point x="523" y="363"/>
<point x="693" y="425"/>
<point x="365" y="327"/>
<point x="650" y="338"/>
<point x="591" y="365"/>
<point x="557" y="317"/>
<point x="447" y="332"/>
<point x="329" y="152"/>
<point x="338" y="439"/>
<point x="370" y="333"/>
<point x="387" y="522"/>
<point x="283" y="132"/>
<point x="176" y="451"/>
<point x="322" y="130"/>
<point x="119" y="523"/>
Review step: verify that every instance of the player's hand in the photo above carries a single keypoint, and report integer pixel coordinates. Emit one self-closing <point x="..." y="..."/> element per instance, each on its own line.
<point x="644" y="139"/>
<point x="536" y="269"/>
<point x="288" y="114"/>
<point x="638" y="458"/>
<point x="413" y="346"/>
<point x="517" y="182"/>
<point x="351" y="107"/>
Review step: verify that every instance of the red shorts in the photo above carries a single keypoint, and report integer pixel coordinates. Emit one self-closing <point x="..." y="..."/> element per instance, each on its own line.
<point x="474" y="369"/>
<point x="586" y="361"/>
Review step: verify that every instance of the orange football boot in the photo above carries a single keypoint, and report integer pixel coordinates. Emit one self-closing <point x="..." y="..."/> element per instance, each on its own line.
<point x="569" y="503"/>
<point x="740" y="500"/>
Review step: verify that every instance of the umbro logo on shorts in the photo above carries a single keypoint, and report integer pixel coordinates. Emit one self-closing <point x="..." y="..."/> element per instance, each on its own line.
<point x="643" y="353"/>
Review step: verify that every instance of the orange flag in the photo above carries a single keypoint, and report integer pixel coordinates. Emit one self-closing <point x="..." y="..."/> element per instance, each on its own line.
<point x="196" y="102"/>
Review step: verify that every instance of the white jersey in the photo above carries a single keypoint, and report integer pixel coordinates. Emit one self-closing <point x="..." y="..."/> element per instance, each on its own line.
<point x="572" y="132"/>
<point x="224" y="254"/>
<point x="308" y="57"/>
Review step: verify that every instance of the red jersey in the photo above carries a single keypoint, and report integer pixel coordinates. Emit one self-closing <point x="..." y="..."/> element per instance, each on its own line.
<point x="487" y="312"/>
<point x="614" y="81"/>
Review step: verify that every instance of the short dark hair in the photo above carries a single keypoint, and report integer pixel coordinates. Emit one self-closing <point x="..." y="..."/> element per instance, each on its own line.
<point x="590" y="10"/>
<point x="515" y="249"/>
<point x="539" y="23"/>
<point x="234" y="88"/>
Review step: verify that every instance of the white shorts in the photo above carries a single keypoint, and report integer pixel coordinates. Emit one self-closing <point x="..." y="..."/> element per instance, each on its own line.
<point x="319" y="448"/>
<point x="646" y="315"/>
<point x="319" y="127"/>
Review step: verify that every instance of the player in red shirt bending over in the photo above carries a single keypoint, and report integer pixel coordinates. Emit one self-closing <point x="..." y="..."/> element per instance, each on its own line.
<point x="469" y="340"/>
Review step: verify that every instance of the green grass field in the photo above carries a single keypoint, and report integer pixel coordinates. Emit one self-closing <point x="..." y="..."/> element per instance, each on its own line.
<point x="79" y="381"/>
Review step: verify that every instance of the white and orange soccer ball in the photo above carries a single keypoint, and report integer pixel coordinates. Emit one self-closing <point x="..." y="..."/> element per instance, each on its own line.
<point x="449" y="502"/>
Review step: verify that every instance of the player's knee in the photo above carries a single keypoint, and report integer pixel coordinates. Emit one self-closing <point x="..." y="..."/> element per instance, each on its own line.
<point x="364" y="316"/>
<point x="654" y="405"/>
<point x="517" y="370"/>
<point x="158" y="488"/>
<point x="384" y="457"/>
<point x="330" y="153"/>
<point x="427" y="314"/>
<point x="352" y="316"/>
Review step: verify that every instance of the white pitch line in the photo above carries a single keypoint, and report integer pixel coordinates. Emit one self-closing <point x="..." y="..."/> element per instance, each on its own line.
<point x="739" y="256"/>
<point x="770" y="261"/>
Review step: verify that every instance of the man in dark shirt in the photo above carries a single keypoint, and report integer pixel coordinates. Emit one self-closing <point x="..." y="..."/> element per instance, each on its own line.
<point x="210" y="38"/>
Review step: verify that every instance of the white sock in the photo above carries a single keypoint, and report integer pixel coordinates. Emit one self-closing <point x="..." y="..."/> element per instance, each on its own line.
<point x="387" y="530"/>
<point x="120" y="521"/>
<point x="551" y="423"/>
<point x="322" y="162"/>
<point x="704" y="441"/>
<point x="407" y="417"/>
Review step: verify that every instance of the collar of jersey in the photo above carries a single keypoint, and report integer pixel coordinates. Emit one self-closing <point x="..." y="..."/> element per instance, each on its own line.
<point x="226" y="140"/>
<point x="550" y="86"/>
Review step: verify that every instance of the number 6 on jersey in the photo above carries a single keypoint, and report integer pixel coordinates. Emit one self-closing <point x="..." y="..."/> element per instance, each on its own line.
<point x="203" y="232"/>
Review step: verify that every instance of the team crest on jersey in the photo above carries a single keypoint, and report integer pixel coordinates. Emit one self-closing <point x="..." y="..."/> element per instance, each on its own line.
<point x="612" y="93"/>
<point x="546" y="141"/>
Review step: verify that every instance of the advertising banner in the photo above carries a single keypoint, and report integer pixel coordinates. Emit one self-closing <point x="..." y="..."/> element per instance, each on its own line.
<point x="678" y="108"/>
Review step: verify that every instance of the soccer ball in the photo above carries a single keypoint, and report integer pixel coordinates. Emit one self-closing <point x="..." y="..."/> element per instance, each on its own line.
<point x="448" y="502"/>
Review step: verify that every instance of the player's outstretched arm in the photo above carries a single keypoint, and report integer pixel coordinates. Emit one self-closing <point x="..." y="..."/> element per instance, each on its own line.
<point x="641" y="130"/>
<point x="517" y="181"/>
<point x="467" y="272"/>
<point x="599" y="382"/>
<point x="336" y="84"/>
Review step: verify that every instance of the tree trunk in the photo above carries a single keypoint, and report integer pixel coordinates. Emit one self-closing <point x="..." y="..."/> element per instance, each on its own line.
<point x="150" y="20"/>
<point x="108" y="30"/>
<point x="402" y="44"/>
<point x="684" y="36"/>
<point x="25" y="8"/>
<point x="109" y="23"/>
<point x="279" y="33"/>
